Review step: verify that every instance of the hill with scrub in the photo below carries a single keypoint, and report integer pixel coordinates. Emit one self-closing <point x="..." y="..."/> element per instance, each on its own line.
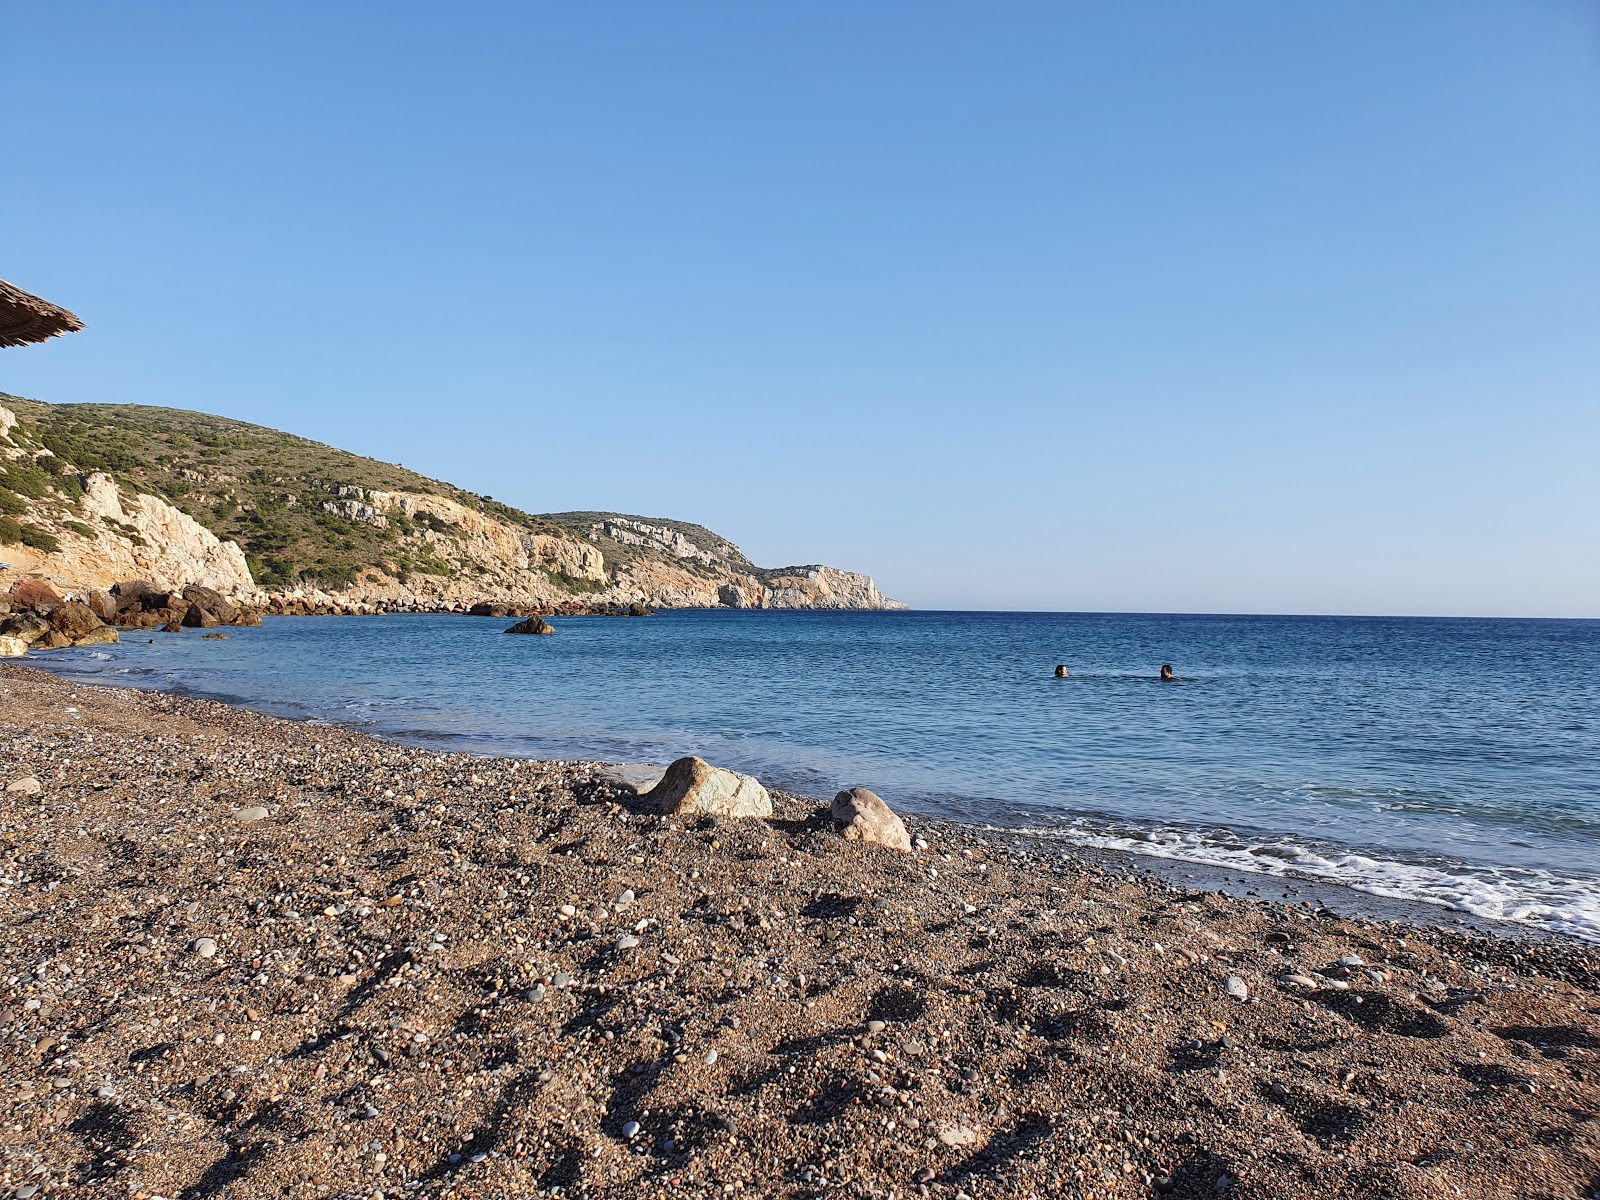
<point x="82" y="483"/>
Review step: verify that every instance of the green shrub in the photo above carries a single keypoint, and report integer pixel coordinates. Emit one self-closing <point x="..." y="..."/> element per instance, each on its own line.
<point x="11" y="504"/>
<point x="25" y="479"/>
<point x="39" y="539"/>
<point x="82" y="530"/>
<point x="573" y="583"/>
<point x="10" y="532"/>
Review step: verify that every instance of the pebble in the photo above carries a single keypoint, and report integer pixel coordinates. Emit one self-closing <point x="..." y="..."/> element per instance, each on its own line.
<point x="623" y="900"/>
<point x="250" y="813"/>
<point x="205" y="947"/>
<point x="631" y="1129"/>
<point x="1352" y="960"/>
<point x="627" y="942"/>
<point x="1236" y="988"/>
<point x="876" y="1026"/>
<point x="567" y="912"/>
<point x="26" y="786"/>
<point x="711" y="1056"/>
<point x="561" y="980"/>
<point x="536" y="994"/>
<point x="1304" y="981"/>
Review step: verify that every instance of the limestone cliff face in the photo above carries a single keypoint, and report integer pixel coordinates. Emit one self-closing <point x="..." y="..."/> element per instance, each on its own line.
<point x="424" y="545"/>
<point x="83" y="532"/>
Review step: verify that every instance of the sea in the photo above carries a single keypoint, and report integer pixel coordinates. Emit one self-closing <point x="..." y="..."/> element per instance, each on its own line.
<point x="1454" y="762"/>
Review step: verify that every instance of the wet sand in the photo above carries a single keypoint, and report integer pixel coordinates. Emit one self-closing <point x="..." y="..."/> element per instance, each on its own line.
<point x="410" y="974"/>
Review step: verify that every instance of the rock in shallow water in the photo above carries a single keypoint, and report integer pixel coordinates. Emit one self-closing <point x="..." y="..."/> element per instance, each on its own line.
<point x="533" y="625"/>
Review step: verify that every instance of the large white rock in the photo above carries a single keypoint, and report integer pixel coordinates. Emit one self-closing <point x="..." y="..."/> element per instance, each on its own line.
<point x="12" y="647"/>
<point x="692" y="786"/>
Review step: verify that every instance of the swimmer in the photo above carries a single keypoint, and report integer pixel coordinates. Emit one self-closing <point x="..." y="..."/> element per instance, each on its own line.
<point x="1166" y="673"/>
<point x="1061" y="671"/>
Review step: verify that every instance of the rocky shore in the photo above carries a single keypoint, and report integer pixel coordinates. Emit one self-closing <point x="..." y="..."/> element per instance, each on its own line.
<point x="249" y="957"/>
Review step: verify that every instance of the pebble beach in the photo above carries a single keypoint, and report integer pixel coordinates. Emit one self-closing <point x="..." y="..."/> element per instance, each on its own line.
<point x="247" y="956"/>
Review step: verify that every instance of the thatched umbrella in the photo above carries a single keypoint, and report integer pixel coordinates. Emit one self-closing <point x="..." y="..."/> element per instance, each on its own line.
<point x="25" y="318"/>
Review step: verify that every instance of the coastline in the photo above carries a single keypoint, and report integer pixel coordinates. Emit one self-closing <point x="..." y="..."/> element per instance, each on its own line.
<point x="375" y="987"/>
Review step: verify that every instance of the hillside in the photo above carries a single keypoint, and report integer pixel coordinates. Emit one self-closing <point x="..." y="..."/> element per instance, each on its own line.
<point x="85" y="489"/>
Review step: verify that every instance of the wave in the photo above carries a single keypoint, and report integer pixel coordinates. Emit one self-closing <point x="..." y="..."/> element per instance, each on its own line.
<point x="1544" y="900"/>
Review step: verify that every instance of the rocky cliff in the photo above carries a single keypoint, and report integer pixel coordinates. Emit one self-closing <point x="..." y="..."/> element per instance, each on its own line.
<point x="92" y="495"/>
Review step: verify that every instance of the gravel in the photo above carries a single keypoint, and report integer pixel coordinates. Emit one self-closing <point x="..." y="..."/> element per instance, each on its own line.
<point x="420" y="996"/>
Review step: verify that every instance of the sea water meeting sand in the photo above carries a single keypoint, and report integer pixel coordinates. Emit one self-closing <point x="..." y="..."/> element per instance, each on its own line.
<point x="250" y="957"/>
<point x="1453" y="762"/>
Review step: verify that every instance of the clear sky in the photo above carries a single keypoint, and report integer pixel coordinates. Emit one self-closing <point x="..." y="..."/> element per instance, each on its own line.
<point x="1236" y="306"/>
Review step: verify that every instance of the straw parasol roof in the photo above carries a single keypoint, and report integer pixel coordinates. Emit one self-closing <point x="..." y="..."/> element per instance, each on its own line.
<point x="25" y="318"/>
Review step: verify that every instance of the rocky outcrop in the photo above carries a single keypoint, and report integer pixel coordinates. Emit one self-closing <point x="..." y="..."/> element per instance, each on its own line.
<point x="428" y="547"/>
<point x="692" y="786"/>
<point x="866" y="818"/>
<point x="535" y="625"/>
<point x="50" y="627"/>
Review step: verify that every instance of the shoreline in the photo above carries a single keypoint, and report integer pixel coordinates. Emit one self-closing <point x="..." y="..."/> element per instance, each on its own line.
<point x="277" y="958"/>
<point x="1343" y="899"/>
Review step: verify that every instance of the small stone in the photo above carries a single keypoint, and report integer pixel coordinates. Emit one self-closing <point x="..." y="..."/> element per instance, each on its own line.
<point x="623" y="900"/>
<point x="1236" y="988"/>
<point x="250" y="813"/>
<point x="631" y="1129"/>
<point x="567" y="912"/>
<point x="876" y="1026"/>
<point x="536" y="994"/>
<point x="1349" y="960"/>
<point x="1304" y="981"/>
<point x="561" y="980"/>
<point x="26" y="786"/>
<point x="711" y="1056"/>
<point x="627" y="942"/>
<point x="927" y="1175"/>
<point x="958" y="1135"/>
<point x="205" y="947"/>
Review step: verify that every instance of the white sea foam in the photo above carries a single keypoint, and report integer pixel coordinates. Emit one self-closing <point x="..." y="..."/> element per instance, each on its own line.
<point x="1542" y="899"/>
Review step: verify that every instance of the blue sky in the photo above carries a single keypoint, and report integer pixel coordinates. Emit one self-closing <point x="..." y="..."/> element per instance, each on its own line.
<point x="1246" y="307"/>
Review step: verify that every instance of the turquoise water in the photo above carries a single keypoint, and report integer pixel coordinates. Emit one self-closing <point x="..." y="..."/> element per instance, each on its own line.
<point x="1455" y="761"/>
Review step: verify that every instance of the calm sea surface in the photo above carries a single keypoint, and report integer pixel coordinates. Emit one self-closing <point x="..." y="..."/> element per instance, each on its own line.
<point x="1455" y="761"/>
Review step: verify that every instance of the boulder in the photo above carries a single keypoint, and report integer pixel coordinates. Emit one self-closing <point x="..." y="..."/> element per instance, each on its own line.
<point x="34" y="593"/>
<point x="28" y="627"/>
<point x="532" y="625"/>
<point x="102" y="603"/>
<point x="74" y="619"/>
<point x="212" y="601"/>
<point x="214" y="637"/>
<point x="201" y="618"/>
<point x="692" y="786"/>
<point x="100" y="635"/>
<point x="12" y="647"/>
<point x="53" y="639"/>
<point x="246" y="617"/>
<point x="866" y="818"/>
<point x="638" y="610"/>
<point x="129" y="592"/>
<point x="172" y="627"/>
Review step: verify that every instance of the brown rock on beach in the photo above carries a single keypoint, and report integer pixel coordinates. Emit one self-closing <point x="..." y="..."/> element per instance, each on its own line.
<point x="693" y="786"/>
<point x="866" y="818"/>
